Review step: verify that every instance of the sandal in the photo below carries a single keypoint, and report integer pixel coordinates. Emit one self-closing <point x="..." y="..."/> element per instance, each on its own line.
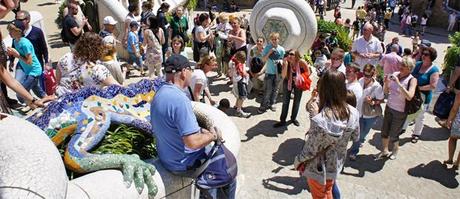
<point x="392" y="156"/>
<point x="381" y="155"/>
<point x="454" y="167"/>
<point x="447" y="162"/>
<point x="414" y="139"/>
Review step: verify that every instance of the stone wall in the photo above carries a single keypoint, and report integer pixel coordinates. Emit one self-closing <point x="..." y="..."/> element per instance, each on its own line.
<point x="439" y="15"/>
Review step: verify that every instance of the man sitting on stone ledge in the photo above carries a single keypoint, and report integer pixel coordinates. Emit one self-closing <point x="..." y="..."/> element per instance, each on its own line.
<point x="180" y="141"/>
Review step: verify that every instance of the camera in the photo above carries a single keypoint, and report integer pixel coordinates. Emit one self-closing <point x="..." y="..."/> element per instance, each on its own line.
<point x="392" y="77"/>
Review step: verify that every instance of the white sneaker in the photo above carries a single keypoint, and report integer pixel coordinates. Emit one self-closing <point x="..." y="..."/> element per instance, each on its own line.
<point x="243" y="114"/>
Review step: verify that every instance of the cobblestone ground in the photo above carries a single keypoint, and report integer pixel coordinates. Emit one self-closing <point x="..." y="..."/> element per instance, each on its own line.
<point x="266" y="157"/>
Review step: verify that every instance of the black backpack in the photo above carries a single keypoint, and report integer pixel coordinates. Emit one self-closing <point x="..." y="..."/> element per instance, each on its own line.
<point x="413" y="105"/>
<point x="256" y="65"/>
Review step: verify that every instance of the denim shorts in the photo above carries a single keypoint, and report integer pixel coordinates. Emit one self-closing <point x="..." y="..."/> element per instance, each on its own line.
<point x="242" y="90"/>
<point x="133" y="59"/>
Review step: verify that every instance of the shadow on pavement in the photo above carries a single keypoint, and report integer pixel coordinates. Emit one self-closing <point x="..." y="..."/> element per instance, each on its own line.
<point x="287" y="151"/>
<point x="264" y="127"/>
<point x="286" y="184"/>
<point x="55" y="41"/>
<point x="436" y="171"/>
<point x="364" y="163"/>
<point x="434" y="134"/>
<point x="46" y="4"/>
<point x="215" y="89"/>
<point x="376" y="141"/>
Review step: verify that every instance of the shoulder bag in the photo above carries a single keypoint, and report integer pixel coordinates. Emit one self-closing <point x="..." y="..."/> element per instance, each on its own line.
<point x="413" y="105"/>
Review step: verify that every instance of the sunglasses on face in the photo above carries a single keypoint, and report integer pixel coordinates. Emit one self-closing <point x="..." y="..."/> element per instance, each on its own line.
<point x="291" y="54"/>
<point x="336" y="58"/>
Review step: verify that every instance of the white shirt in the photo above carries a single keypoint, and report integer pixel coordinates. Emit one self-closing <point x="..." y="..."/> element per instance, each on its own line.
<point x="357" y="89"/>
<point x="198" y="30"/>
<point x="374" y="91"/>
<point x="452" y="18"/>
<point x="198" y="77"/>
<point x="342" y="69"/>
<point x="362" y="46"/>
<point x="423" y="21"/>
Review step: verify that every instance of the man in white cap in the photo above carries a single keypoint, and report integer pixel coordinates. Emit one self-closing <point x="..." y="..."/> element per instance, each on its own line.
<point x="109" y="59"/>
<point x="109" y="26"/>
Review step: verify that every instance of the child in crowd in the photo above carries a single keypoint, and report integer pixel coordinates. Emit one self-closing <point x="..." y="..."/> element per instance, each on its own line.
<point x="222" y="30"/>
<point x="133" y="48"/>
<point x="224" y="105"/>
<point x="415" y="41"/>
<point x="355" y="29"/>
<point x="423" y="23"/>
<point x="407" y="52"/>
<point x="240" y="81"/>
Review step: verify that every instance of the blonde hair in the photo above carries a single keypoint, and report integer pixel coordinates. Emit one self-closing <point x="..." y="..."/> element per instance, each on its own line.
<point x="223" y="18"/>
<point x="408" y="62"/>
<point x="274" y="35"/>
<point x="206" y="59"/>
<point x="240" y="56"/>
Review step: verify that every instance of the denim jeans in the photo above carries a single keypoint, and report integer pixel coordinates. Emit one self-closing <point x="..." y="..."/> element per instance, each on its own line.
<point x="365" y="125"/>
<point x="30" y="82"/>
<point x="228" y="191"/>
<point x="133" y="59"/>
<point x="271" y="90"/>
<point x="287" y="100"/>
<point x="19" y="74"/>
<point x="335" y="191"/>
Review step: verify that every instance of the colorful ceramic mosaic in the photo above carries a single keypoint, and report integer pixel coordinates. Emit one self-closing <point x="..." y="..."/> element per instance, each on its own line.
<point x="86" y="115"/>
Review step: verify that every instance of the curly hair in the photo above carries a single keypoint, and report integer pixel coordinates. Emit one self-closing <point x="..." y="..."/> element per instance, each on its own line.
<point x="89" y="47"/>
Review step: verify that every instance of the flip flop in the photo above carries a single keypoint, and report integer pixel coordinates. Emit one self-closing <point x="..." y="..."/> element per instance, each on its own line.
<point x="392" y="157"/>
<point x="454" y="167"/>
<point x="414" y="139"/>
<point x="447" y="162"/>
<point x="381" y="155"/>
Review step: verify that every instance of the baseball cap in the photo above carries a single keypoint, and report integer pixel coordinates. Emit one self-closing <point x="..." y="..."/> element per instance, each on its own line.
<point x="109" y="20"/>
<point x="108" y="40"/>
<point x="176" y="63"/>
<point x="19" y="24"/>
<point x="425" y="43"/>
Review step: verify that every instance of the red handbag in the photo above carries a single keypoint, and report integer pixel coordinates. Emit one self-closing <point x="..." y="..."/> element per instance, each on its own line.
<point x="50" y="82"/>
<point x="302" y="80"/>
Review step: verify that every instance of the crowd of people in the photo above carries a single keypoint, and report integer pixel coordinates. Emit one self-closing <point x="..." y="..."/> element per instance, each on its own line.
<point x="344" y="106"/>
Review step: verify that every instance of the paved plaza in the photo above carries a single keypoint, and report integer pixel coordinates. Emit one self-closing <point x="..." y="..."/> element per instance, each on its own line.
<point x="267" y="154"/>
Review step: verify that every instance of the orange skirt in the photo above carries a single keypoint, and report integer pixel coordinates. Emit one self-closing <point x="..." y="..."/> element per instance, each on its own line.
<point x="320" y="191"/>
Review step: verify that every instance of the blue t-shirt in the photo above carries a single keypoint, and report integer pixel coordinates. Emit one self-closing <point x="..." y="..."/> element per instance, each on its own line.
<point x="424" y="79"/>
<point x="24" y="47"/>
<point x="271" y="66"/>
<point x="172" y="118"/>
<point x="132" y="39"/>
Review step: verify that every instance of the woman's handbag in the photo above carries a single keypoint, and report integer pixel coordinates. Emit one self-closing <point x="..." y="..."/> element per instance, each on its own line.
<point x="372" y="110"/>
<point x="413" y="105"/>
<point x="444" y="104"/>
<point x="302" y="80"/>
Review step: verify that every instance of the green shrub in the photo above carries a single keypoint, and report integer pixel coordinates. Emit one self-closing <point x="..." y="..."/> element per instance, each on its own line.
<point x="452" y="54"/>
<point x="191" y="4"/>
<point x="345" y="41"/>
<point x="123" y="139"/>
<point x="89" y="9"/>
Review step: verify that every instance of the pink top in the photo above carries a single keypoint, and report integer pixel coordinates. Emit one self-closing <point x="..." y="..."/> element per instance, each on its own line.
<point x="390" y="63"/>
<point x="396" y="99"/>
